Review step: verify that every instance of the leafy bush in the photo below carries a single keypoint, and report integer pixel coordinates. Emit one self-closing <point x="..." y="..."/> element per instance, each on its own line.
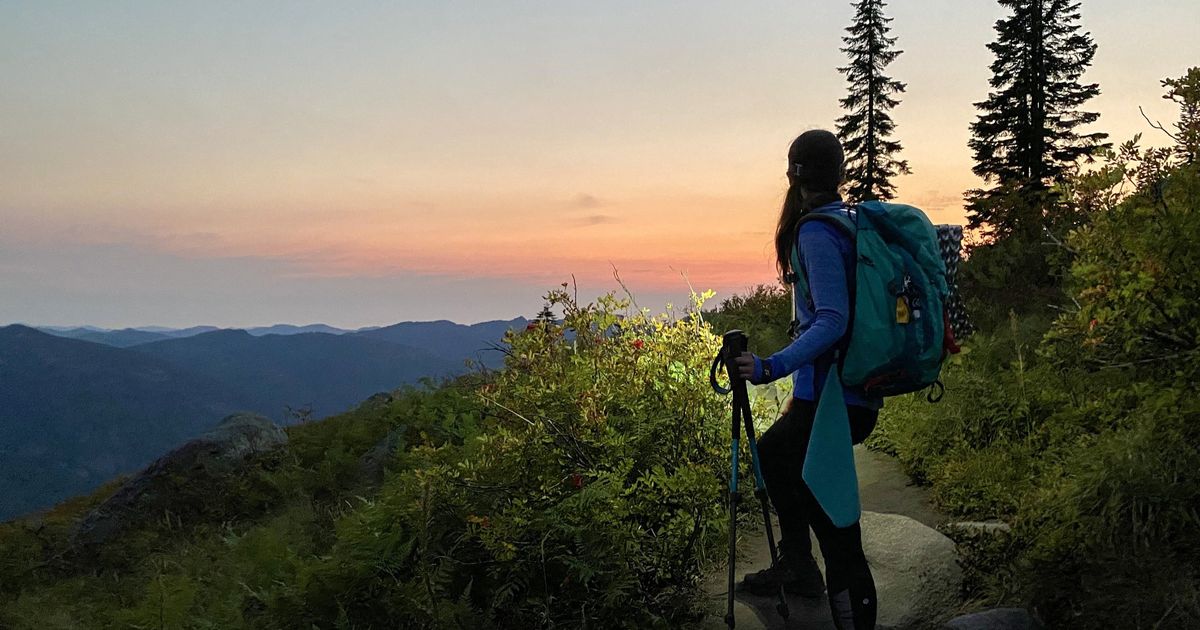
<point x="1016" y="274"/>
<point x="973" y="445"/>
<point x="763" y="314"/>
<point x="592" y="497"/>
<point x="1115" y="534"/>
<point x="1121" y="516"/>
<point x="985" y="555"/>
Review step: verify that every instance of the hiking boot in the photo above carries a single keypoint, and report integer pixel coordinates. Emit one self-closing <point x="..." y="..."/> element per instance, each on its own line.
<point x="799" y="577"/>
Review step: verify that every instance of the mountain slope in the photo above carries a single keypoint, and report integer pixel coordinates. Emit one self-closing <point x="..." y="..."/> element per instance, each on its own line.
<point x="76" y="413"/>
<point x="291" y="329"/>
<point x="329" y="372"/>
<point x="124" y="338"/>
<point x="176" y="333"/>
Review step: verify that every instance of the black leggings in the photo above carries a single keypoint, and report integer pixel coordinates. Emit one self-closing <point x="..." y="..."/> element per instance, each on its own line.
<point x="781" y="451"/>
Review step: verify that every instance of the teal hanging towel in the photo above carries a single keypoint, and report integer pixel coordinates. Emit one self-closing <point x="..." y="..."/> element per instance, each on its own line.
<point x="829" y="464"/>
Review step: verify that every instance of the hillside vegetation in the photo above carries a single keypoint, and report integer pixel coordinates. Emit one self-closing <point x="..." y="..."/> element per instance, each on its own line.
<point x="1074" y="415"/>
<point x="1081" y="426"/>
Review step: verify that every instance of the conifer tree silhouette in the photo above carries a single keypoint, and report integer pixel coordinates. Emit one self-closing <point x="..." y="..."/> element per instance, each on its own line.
<point x="1026" y="134"/>
<point x="866" y="128"/>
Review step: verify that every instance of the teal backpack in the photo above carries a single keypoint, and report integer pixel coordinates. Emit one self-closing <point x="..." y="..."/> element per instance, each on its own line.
<point x="900" y="306"/>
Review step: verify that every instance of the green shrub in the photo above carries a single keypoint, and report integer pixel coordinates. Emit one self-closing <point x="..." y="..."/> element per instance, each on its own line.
<point x="590" y="495"/>
<point x="986" y="560"/>
<point x="975" y="445"/>
<point x="1116" y="535"/>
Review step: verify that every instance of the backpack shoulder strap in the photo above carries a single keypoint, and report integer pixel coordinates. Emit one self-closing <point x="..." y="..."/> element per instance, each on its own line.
<point x="798" y="278"/>
<point x="847" y="225"/>
<point x="799" y="284"/>
<point x="841" y="222"/>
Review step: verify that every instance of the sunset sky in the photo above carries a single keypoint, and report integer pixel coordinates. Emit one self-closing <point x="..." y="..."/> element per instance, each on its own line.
<point x="241" y="164"/>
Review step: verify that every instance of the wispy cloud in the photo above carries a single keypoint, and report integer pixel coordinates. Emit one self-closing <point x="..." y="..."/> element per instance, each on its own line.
<point x="939" y="205"/>
<point x="587" y="201"/>
<point x="595" y="219"/>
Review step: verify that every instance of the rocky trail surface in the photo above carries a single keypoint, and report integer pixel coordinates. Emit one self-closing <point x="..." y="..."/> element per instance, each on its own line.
<point x="916" y="574"/>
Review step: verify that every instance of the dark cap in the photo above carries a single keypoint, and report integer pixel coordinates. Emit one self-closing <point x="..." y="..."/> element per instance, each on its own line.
<point x="815" y="160"/>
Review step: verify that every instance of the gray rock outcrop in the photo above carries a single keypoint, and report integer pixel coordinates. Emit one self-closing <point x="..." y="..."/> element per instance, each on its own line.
<point x="916" y="571"/>
<point x="201" y="461"/>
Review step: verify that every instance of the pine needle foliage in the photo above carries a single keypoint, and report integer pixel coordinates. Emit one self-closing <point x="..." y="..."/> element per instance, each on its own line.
<point x="866" y="129"/>
<point x="1027" y="133"/>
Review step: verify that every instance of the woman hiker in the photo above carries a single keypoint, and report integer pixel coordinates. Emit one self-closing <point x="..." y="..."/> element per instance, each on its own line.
<point x="826" y="255"/>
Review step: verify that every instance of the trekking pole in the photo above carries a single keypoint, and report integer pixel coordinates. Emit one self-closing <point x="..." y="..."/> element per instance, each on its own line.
<point x="734" y="343"/>
<point x="733" y="469"/>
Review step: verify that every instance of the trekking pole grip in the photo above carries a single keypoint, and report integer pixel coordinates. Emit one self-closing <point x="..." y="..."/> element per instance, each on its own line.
<point x="733" y="344"/>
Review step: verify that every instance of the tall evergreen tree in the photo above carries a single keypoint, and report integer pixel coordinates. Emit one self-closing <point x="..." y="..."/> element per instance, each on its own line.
<point x="1025" y="136"/>
<point x="866" y="129"/>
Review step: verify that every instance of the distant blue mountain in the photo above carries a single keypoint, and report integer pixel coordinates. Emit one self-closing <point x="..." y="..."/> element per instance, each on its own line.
<point x="446" y="338"/>
<point x="128" y="337"/>
<point x="289" y="329"/>
<point x="441" y="338"/>
<point x="183" y="332"/>
<point x="125" y="337"/>
<point x="57" y="329"/>
<point x="120" y="338"/>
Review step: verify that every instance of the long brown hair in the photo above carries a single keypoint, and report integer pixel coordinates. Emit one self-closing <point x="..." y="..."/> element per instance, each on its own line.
<point x="815" y="170"/>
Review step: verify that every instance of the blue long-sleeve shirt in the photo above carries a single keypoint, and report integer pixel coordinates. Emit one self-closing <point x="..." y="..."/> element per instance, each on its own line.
<point x="827" y="258"/>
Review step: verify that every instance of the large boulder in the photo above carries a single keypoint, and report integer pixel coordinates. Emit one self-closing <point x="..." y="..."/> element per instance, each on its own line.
<point x="172" y="482"/>
<point x="996" y="619"/>
<point x="916" y="571"/>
